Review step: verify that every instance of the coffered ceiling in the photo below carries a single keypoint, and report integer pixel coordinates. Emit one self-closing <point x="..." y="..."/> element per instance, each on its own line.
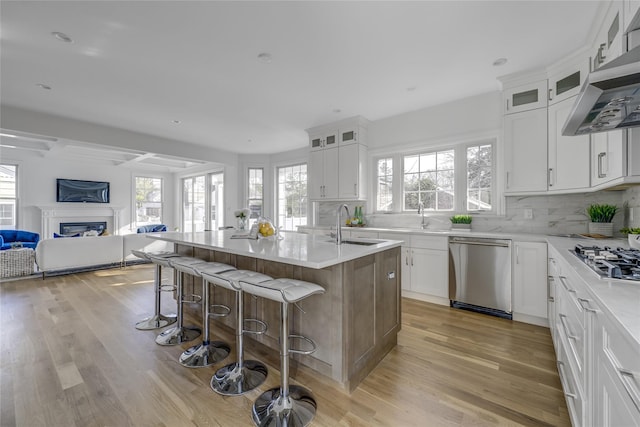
<point x="249" y="77"/>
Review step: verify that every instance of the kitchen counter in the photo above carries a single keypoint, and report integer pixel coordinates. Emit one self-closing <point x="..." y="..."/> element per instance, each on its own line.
<point x="354" y="323"/>
<point x="620" y="298"/>
<point x="292" y="248"/>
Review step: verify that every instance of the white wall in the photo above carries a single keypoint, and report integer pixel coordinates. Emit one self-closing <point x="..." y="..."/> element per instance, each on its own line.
<point x="37" y="187"/>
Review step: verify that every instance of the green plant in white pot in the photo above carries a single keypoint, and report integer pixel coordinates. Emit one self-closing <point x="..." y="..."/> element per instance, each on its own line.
<point x="461" y="222"/>
<point x="633" y="236"/>
<point x="601" y="216"/>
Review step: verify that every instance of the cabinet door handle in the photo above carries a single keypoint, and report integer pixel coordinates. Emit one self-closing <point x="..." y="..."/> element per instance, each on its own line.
<point x="550" y="95"/>
<point x="564" y="283"/>
<point x="507" y="179"/>
<point x="550" y="177"/>
<point x="550" y="279"/>
<point x="601" y="174"/>
<point x="567" y="331"/>
<point x="628" y="382"/>
<point x="586" y="305"/>
<point x="406" y="260"/>
<point x="562" y="377"/>
<point x="411" y="257"/>
<point x="507" y="104"/>
<point x="517" y="254"/>
<point x="355" y="189"/>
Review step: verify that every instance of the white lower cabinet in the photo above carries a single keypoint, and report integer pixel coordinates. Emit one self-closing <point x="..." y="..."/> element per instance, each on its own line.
<point x="616" y="376"/>
<point x="598" y="361"/>
<point x="530" y="295"/>
<point x="425" y="267"/>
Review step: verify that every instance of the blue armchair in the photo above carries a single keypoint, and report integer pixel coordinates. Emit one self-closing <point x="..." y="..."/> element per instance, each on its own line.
<point x="11" y="238"/>
<point x="152" y="228"/>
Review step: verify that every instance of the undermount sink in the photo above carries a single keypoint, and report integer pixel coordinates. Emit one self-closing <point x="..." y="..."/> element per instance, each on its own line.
<point x="363" y="242"/>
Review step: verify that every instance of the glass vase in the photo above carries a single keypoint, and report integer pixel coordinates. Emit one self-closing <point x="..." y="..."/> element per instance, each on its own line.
<point x="242" y="223"/>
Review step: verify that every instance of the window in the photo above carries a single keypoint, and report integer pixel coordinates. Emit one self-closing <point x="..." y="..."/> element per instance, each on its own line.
<point x="384" y="189"/>
<point x="203" y="202"/>
<point x="148" y="200"/>
<point x="292" y="197"/>
<point x="256" y="199"/>
<point x="8" y="196"/>
<point x="455" y="178"/>
<point x="479" y="177"/>
<point x="429" y="179"/>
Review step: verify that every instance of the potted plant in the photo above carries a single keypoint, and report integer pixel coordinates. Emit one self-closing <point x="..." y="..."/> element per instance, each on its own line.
<point x="633" y="236"/>
<point x="601" y="216"/>
<point x="461" y="222"/>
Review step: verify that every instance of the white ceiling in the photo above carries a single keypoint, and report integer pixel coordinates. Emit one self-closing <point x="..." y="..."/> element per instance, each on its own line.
<point x="141" y="65"/>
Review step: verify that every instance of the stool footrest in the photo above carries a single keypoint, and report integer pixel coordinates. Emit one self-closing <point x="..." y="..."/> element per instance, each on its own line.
<point x="302" y="337"/>
<point x="224" y="310"/>
<point x="262" y="330"/>
<point x="193" y="300"/>
<point x="167" y="288"/>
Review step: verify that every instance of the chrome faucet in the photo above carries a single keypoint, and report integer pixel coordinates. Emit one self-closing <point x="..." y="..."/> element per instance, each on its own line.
<point x="423" y="225"/>
<point x="339" y="222"/>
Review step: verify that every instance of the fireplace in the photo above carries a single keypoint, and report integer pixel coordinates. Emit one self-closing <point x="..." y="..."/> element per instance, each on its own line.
<point x="80" y="227"/>
<point x="52" y="216"/>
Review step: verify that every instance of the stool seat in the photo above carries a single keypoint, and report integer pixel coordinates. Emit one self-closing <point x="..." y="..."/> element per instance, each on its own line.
<point x="282" y="290"/>
<point x="158" y="320"/>
<point x="231" y="279"/>
<point x="162" y="258"/>
<point x="186" y="264"/>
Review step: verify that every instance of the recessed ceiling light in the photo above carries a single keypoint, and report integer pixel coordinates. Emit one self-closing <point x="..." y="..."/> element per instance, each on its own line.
<point x="337" y="110"/>
<point x="411" y="88"/>
<point x="43" y="86"/>
<point x="62" y="37"/>
<point x="265" y="58"/>
<point x="177" y="121"/>
<point x="249" y="140"/>
<point x="500" y="61"/>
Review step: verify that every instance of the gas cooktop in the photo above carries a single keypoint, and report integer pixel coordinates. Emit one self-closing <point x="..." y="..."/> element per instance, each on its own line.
<point x="608" y="262"/>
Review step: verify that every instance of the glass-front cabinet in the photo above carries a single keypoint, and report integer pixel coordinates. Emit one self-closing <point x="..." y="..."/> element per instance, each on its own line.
<point x="526" y="97"/>
<point x="566" y="82"/>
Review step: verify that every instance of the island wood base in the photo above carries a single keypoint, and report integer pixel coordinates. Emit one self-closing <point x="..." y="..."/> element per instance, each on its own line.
<point x="354" y="323"/>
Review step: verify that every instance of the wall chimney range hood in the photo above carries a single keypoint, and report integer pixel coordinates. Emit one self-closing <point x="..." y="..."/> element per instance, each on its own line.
<point x="609" y="98"/>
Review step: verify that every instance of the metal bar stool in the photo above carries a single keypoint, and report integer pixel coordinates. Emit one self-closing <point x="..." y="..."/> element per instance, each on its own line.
<point x="158" y="320"/>
<point x="287" y="405"/>
<point x="242" y="375"/>
<point x="179" y="333"/>
<point x="208" y="352"/>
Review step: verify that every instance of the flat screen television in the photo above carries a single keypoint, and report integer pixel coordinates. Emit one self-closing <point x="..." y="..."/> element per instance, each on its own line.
<point x="78" y="191"/>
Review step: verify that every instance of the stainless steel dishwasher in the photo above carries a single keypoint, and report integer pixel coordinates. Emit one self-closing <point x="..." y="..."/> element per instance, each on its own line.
<point x="480" y="275"/>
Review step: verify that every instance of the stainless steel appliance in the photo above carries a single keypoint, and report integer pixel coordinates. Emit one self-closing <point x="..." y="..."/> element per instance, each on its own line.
<point x="480" y="275"/>
<point x="613" y="263"/>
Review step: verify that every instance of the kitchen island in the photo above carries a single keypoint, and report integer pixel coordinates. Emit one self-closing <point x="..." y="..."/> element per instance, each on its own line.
<point x="354" y="323"/>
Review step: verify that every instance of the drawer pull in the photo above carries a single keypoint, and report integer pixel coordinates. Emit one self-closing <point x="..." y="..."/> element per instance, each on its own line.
<point x="565" y="387"/>
<point x="563" y="280"/>
<point x="629" y="385"/>
<point x="586" y="305"/>
<point x="566" y="328"/>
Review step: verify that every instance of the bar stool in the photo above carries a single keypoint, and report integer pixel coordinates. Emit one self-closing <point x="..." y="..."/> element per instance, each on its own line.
<point x="179" y="333"/>
<point x="242" y="375"/>
<point x="287" y="405"/>
<point x="158" y="320"/>
<point x="208" y="352"/>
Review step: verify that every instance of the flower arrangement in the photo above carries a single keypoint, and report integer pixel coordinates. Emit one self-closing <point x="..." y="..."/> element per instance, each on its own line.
<point x="242" y="213"/>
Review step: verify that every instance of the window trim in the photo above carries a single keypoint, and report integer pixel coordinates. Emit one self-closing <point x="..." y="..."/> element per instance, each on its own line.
<point x="162" y="196"/>
<point x="248" y="198"/>
<point x="276" y="186"/>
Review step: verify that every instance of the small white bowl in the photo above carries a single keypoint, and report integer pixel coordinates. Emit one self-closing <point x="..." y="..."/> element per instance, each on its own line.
<point x="634" y="241"/>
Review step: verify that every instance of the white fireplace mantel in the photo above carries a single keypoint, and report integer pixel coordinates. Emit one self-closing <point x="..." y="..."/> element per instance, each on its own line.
<point x="50" y="213"/>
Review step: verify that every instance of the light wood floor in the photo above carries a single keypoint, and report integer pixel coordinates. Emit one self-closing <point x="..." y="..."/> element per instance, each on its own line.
<point x="70" y="356"/>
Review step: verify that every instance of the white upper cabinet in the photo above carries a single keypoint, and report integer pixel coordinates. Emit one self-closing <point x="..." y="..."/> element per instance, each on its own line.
<point x="630" y="9"/>
<point x="337" y="160"/>
<point x="608" y="156"/>
<point x="526" y="97"/>
<point x="525" y="151"/>
<point x="608" y="42"/>
<point x="569" y="156"/>
<point x="567" y="81"/>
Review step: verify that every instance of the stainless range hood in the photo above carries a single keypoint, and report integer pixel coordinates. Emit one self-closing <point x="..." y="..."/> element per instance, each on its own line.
<point x="609" y="99"/>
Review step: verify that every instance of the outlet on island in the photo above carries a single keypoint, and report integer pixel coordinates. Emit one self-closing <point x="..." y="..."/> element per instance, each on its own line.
<point x="528" y="213"/>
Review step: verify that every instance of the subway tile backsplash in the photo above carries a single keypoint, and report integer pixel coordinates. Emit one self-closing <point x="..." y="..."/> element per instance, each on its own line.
<point x="552" y="214"/>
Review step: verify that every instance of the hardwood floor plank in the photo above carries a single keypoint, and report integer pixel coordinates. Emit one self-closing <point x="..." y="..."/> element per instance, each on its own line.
<point x="72" y="357"/>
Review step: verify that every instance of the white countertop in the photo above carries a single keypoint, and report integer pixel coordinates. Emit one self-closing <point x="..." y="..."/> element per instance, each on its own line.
<point x="293" y="248"/>
<point x="621" y="299"/>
